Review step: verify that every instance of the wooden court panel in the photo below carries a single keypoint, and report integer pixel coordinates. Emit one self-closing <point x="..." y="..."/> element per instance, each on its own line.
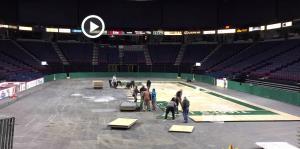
<point x="275" y="145"/>
<point x="122" y="123"/>
<point x="211" y="106"/>
<point x="199" y="100"/>
<point x="181" y="128"/>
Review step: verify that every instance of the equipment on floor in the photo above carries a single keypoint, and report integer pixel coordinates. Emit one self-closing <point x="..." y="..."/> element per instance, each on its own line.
<point x="98" y="84"/>
<point x="128" y="106"/>
<point x="181" y="128"/>
<point x="124" y="123"/>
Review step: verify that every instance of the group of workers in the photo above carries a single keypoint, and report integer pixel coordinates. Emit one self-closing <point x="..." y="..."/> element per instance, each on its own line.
<point x="172" y="106"/>
<point x="148" y="98"/>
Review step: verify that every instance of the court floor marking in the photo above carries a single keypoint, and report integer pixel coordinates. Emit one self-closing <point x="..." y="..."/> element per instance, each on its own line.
<point x="277" y="115"/>
<point x="258" y="109"/>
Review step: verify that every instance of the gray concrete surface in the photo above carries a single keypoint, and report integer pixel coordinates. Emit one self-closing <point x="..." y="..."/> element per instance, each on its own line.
<point x="50" y="118"/>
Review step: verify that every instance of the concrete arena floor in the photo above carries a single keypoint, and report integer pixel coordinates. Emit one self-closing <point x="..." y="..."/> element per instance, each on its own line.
<point x="50" y="118"/>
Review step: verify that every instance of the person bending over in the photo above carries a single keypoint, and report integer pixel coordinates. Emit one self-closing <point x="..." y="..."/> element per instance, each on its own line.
<point x="171" y="107"/>
<point x="178" y="100"/>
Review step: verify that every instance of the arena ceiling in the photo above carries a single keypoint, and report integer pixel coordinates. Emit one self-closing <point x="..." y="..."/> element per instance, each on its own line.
<point x="150" y="14"/>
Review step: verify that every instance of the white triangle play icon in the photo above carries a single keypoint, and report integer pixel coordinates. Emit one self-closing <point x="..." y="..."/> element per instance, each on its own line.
<point x="93" y="26"/>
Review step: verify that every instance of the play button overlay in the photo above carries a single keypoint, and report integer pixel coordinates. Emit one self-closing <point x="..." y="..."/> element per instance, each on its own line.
<point x="92" y="26"/>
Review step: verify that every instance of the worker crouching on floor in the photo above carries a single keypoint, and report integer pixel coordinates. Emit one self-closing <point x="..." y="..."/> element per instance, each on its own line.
<point x="185" y="108"/>
<point x="171" y="107"/>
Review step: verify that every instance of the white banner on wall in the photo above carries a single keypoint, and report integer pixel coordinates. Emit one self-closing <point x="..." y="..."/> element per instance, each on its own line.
<point x="34" y="83"/>
<point x="13" y="87"/>
<point x="6" y="92"/>
<point x="222" y="83"/>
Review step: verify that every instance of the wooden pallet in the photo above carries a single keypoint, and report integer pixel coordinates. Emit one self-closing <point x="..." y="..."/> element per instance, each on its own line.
<point x="122" y="123"/>
<point x="181" y="128"/>
<point x="98" y="84"/>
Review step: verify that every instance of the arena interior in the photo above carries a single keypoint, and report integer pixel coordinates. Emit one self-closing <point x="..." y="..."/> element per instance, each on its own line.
<point x="87" y="74"/>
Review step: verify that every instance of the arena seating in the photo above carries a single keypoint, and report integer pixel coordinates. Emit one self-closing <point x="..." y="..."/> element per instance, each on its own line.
<point x="223" y="53"/>
<point x="77" y="52"/>
<point x="277" y="59"/>
<point x="164" y="53"/>
<point x="108" y="55"/>
<point x="196" y="53"/>
<point x="134" y="57"/>
<point x="42" y="50"/>
<point x="265" y="51"/>
<point x="278" y="62"/>
<point x="8" y="48"/>
<point x="251" y="51"/>
<point x="13" y="70"/>
<point x="289" y="73"/>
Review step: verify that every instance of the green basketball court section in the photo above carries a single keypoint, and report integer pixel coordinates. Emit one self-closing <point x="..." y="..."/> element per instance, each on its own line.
<point x="210" y="106"/>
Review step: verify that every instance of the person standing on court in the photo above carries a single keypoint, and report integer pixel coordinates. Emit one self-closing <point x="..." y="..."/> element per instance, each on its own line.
<point x="148" y="84"/>
<point x="185" y="109"/>
<point x="135" y="93"/>
<point x="142" y="89"/>
<point x="153" y="99"/>
<point x="178" y="100"/>
<point x="147" y="99"/>
<point x="171" y="107"/>
<point x="114" y="81"/>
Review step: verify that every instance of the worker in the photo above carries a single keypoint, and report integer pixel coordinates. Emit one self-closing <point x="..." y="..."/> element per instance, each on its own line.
<point x="148" y="84"/>
<point x="178" y="100"/>
<point x="185" y="109"/>
<point x="147" y="96"/>
<point x="135" y="93"/>
<point x="171" y="107"/>
<point x="142" y="89"/>
<point x="114" y="81"/>
<point x="153" y="99"/>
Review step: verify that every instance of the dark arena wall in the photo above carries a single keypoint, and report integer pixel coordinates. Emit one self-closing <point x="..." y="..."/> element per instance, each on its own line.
<point x="150" y="14"/>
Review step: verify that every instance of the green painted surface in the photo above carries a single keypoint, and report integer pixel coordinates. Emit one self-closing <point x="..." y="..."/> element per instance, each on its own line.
<point x="49" y="78"/>
<point x="162" y="105"/>
<point x="205" y="79"/>
<point x="256" y="110"/>
<point x="267" y="92"/>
